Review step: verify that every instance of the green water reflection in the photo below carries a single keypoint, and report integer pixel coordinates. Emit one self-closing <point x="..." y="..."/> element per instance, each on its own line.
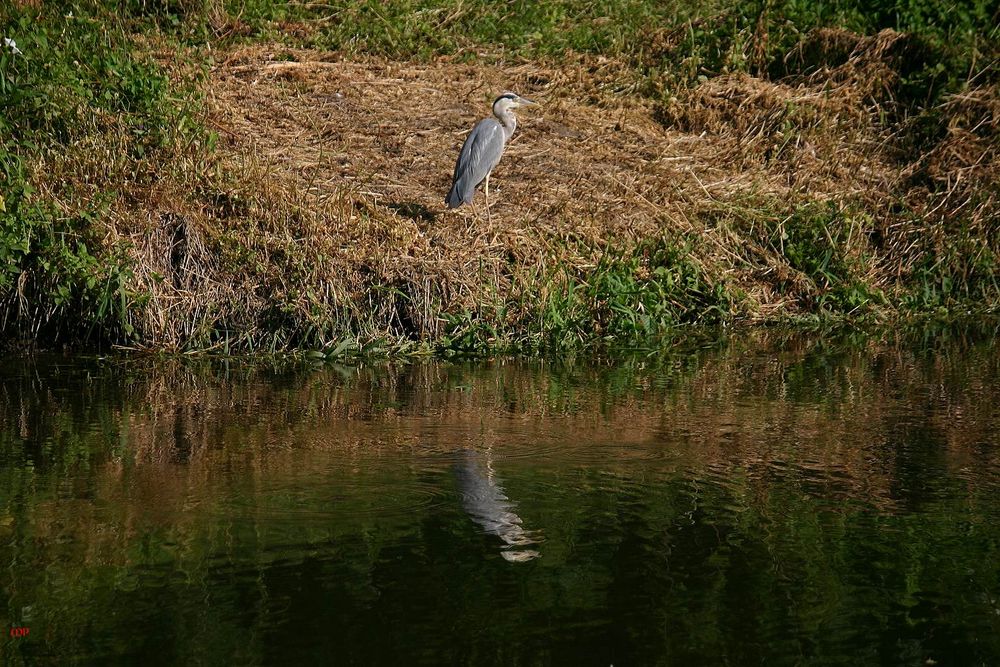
<point x="768" y="498"/>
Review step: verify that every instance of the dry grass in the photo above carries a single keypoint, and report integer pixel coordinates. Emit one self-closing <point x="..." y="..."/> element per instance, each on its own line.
<point x="347" y="163"/>
<point x="325" y="213"/>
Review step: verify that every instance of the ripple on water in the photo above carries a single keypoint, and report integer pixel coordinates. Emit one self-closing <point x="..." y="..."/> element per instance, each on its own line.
<point x="347" y="489"/>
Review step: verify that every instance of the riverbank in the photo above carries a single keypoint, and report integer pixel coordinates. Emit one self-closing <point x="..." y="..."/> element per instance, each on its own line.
<point x="209" y="180"/>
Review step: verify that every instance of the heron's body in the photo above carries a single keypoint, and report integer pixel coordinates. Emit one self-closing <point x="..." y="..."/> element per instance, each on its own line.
<point x="482" y="150"/>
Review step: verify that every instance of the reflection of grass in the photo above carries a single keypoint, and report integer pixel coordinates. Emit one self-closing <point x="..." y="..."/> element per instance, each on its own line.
<point x="770" y="162"/>
<point x="773" y="467"/>
<point x="154" y="411"/>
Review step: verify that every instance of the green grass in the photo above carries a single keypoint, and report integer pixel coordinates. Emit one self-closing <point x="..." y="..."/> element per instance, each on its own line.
<point x="80" y="88"/>
<point x="961" y="274"/>
<point x="630" y="298"/>
<point x="678" y="41"/>
<point x="819" y="243"/>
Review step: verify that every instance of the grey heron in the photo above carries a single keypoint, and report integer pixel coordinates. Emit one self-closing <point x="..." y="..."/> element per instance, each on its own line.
<point x="482" y="150"/>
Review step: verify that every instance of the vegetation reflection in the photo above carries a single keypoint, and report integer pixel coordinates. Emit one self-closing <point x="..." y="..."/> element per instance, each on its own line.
<point x="770" y="495"/>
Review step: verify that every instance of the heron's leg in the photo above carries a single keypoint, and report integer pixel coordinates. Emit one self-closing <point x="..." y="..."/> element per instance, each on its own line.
<point x="475" y="211"/>
<point x="489" y="218"/>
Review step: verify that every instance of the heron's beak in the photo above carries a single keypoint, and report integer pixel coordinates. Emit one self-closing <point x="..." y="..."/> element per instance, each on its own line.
<point x="525" y="102"/>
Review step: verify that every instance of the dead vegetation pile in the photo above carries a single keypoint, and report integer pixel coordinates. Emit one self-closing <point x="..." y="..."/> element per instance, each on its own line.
<point x="327" y="213"/>
<point x="862" y="69"/>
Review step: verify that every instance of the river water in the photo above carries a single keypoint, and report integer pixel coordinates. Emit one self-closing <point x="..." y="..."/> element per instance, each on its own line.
<point x="754" y="498"/>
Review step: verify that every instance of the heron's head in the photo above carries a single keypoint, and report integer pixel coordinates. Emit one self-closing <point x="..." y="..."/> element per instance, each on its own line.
<point x="509" y="101"/>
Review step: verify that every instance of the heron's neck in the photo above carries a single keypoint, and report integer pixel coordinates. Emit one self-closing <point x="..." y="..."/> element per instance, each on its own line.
<point x="508" y="120"/>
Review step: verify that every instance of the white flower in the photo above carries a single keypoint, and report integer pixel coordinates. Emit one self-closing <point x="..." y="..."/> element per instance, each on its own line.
<point x="12" y="45"/>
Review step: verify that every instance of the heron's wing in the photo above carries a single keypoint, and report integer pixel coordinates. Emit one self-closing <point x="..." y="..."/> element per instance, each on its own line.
<point x="480" y="153"/>
<point x="483" y="149"/>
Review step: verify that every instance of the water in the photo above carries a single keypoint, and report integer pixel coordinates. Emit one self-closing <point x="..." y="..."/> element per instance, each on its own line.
<point x="779" y="499"/>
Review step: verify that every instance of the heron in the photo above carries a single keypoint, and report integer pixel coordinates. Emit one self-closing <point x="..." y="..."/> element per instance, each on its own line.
<point x="482" y="150"/>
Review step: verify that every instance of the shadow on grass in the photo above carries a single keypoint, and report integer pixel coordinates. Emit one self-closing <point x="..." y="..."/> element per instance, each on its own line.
<point x="414" y="211"/>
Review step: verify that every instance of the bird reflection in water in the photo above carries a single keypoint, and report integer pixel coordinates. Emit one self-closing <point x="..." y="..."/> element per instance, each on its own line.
<point x="485" y="501"/>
